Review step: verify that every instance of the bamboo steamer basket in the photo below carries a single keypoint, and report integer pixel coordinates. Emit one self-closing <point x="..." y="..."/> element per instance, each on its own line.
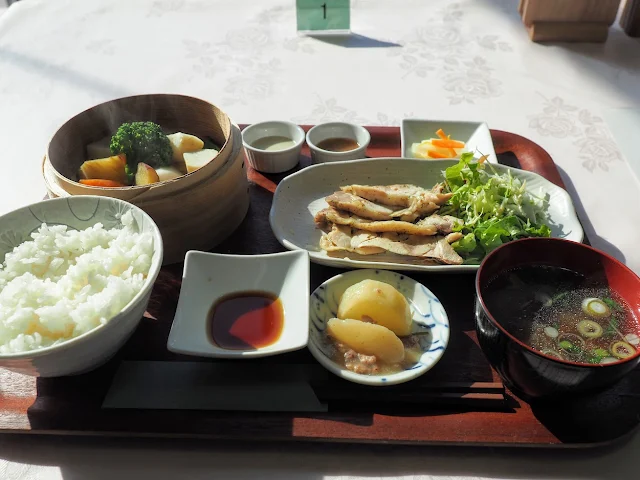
<point x="67" y="148"/>
<point x="194" y="212"/>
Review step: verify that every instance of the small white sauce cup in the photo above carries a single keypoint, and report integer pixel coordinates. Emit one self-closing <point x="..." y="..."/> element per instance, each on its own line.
<point x="324" y="131"/>
<point x="276" y="161"/>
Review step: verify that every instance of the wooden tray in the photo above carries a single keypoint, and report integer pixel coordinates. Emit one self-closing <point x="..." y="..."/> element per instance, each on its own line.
<point x="460" y="402"/>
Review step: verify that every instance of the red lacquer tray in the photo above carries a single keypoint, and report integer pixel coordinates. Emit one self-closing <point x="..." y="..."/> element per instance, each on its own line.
<point x="461" y="401"/>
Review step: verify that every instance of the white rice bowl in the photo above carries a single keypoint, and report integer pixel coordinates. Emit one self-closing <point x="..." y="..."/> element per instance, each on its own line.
<point x="75" y="280"/>
<point x="66" y="282"/>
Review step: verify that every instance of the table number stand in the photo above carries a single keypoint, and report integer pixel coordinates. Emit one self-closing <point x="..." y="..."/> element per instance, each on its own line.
<point x="323" y="17"/>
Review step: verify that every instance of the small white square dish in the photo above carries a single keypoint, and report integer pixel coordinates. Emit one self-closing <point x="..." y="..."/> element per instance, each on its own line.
<point x="475" y="135"/>
<point x="208" y="278"/>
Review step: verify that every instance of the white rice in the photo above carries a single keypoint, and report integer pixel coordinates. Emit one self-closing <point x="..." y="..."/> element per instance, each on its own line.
<point x="64" y="282"/>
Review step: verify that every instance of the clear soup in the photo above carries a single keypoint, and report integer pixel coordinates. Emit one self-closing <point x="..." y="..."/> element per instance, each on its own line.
<point x="563" y="314"/>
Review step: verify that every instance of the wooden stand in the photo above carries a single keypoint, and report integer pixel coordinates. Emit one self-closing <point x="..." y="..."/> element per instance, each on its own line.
<point x="568" y="20"/>
<point x="630" y="19"/>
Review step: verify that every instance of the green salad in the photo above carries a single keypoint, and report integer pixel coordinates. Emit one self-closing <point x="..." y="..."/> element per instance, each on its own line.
<point x="495" y="208"/>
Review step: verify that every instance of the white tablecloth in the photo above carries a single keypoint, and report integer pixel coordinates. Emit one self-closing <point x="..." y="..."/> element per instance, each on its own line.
<point x="423" y="58"/>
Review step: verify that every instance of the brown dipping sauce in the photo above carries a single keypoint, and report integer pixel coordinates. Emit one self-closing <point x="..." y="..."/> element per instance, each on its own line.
<point x="246" y="320"/>
<point x="338" y="144"/>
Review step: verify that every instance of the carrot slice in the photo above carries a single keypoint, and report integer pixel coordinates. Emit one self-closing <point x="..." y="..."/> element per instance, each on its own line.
<point x="101" y="182"/>
<point x="433" y="154"/>
<point x="447" y="143"/>
<point x="483" y="158"/>
<point x="441" y="134"/>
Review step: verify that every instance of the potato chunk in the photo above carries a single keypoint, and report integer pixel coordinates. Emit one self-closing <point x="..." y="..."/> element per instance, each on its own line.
<point x="367" y="338"/>
<point x="196" y="160"/>
<point x="380" y="302"/>
<point x="182" y="143"/>
<point x="168" y="173"/>
<point x="100" y="148"/>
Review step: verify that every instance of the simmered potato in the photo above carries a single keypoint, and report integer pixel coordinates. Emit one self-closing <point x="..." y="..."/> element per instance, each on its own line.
<point x="367" y="338"/>
<point x="379" y="301"/>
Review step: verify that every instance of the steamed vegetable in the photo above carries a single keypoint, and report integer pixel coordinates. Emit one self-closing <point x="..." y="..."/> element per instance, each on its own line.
<point x="195" y="160"/>
<point x="110" y="168"/>
<point x="146" y="175"/>
<point x="182" y="143"/>
<point x="145" y="155"/>
<point x="495" y="208"/>
<point x="101" y="182"/>
<point x="168" y="173"/>
<point x="142" y="142"/>
<point x="99" y="148"/>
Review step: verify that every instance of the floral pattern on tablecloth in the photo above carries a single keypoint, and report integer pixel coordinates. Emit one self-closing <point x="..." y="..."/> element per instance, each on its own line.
<point x="592" y="139"/>
<point x="458" y="60"/>
<point x="447" y="49"/>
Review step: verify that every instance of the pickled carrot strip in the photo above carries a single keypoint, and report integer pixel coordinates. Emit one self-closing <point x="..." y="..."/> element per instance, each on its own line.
<point x="447" y="143"/>
<point x="441" y="134"/>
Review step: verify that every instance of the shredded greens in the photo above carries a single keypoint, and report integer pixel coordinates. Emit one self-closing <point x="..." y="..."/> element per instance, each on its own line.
<point x="612" y="328"/>
<point x="612" y="304"/>
<point x="495" y="208"/>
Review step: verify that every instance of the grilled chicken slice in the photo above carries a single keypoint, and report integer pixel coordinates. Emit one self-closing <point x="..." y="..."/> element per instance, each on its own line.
<point x="339" y="217"/>
<point x="435" y="247"/>
<point x="342" y="238"/>
<point x="358" y="241"/>
<point x="401" y="195"/>
<point x="394" y="195"/>
<point x="444" y="224"/>
<point x="418" y="202"/>
<point x="359" y="206"/>
<point x="422" y="204"/>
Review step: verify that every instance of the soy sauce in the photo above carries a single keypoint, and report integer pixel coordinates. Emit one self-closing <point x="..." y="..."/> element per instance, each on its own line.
<point x="246" y="320"/>
<point x="338" y="144"/>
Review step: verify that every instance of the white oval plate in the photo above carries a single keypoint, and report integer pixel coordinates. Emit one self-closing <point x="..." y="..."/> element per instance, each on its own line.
<point x="427" y="312"/>
<point x="301" y="195"/>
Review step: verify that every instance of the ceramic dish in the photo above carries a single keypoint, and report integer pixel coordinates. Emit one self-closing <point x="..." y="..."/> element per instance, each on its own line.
<point x="301" y="195"/>
<point x="428" y="314"/>
<point x="273" y="161"/>
<point x="209" y="276"/>
<point x="475" y="135"/>
<point x="324" y="131"/>
<point x="93" y="348"/>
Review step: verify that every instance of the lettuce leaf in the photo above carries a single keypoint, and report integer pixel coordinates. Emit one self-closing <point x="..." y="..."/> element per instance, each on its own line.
<point x="466" y="244"/>
<point x="495" y="208"/>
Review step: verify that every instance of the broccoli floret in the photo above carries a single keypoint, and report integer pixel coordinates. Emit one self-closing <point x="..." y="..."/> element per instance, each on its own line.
<point x="142" y="142"/>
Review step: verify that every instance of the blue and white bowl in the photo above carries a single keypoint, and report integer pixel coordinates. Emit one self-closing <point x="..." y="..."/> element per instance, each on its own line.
<point x="428" y="315"/>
